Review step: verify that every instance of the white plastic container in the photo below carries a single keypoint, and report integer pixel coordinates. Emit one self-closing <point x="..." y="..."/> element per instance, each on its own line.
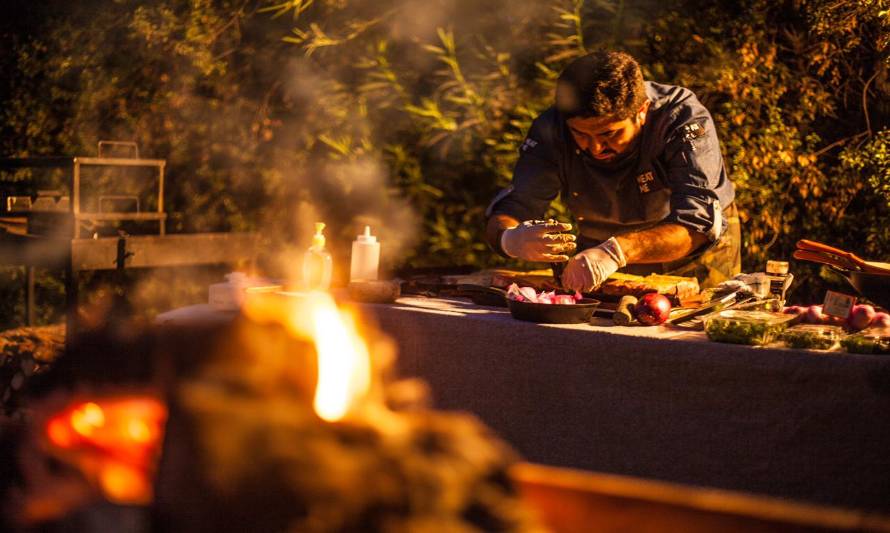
<point x="229" y="295"/>
<point x="365" y="257"/>
<point x="317" y="263"/>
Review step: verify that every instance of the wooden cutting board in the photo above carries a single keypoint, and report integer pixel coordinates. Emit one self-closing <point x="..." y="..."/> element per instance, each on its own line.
<point x="681" y="289"/>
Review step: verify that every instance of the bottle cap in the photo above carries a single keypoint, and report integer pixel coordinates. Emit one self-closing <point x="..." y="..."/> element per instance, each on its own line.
<point x="777" y="267"/>
<point x="318" y="239"/>
<point x="366" y="237"/>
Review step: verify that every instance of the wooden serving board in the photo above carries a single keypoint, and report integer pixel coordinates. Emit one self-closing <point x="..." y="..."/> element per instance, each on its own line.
<point x="680" y="290"/>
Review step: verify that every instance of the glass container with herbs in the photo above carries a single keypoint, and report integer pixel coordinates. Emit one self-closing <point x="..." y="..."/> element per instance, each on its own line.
<point x="746" y="326"/>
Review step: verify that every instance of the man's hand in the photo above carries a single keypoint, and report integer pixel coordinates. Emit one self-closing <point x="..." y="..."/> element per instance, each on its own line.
<point x="539" y="241"/>
<point x="588" y="269"/>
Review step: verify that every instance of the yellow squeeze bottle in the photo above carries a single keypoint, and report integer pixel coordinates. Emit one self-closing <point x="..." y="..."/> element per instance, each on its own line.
<point x="317" y="263"/>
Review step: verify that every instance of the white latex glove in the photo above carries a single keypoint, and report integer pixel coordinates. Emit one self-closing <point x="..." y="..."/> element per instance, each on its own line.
<point x="537" y="240"/>
<point x="590" y="268"/>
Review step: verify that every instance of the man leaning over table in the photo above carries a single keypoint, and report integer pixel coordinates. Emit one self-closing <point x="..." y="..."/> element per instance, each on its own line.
<point x="638" y="164"/>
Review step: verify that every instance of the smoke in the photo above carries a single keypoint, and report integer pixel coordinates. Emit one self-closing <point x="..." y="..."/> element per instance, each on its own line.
<point x="418" y="20"/>
<point x="329" y="165"/>
<point x="258" y="136"/>
<point x="328" y="169"/>
<point x="345" y="195"/>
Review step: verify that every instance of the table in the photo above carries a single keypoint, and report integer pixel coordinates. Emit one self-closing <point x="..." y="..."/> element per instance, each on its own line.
<point x="657" y="403"/>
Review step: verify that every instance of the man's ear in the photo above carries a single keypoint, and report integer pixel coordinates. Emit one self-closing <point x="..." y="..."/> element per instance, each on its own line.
<point x="643" y="112"/>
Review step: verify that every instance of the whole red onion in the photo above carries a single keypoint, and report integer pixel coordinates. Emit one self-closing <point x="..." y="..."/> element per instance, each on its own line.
<point x="652" y="309"/>
<point x="814" y="315"/>
<point x="798" y="312"/>
<point x="880" y="320"/>
<point x="860" y="316"/>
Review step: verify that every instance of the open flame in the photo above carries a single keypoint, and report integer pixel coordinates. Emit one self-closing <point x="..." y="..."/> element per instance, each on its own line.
<point x="344" y="364"/>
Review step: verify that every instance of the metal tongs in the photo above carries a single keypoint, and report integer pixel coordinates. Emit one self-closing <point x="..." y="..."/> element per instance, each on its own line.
<point x="842" y="259"/>
<point x="693" y="318"/>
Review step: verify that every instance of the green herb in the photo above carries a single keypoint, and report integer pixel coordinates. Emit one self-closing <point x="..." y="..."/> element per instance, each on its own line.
<point x="743" y="333"/>
<point x="809" y="339"/>
<point x="812" y="336"/>
<point x="745" y="327"/>
<point x="865" y="343"/>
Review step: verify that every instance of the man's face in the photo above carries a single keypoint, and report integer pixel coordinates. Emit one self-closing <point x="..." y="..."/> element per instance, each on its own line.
<point x="604" y="138"/>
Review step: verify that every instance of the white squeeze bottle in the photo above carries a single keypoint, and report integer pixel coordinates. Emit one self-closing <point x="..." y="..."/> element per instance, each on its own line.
<point x="365" y="257"/>
<point x="317" y="263"/>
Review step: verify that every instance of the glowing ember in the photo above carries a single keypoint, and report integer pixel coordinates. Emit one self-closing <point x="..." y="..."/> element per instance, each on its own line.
<point x="60" y="433"/>
<point x="87" y="418"/>
<point x="114" y="441"/>
<point x="344" y="365"/>
<point x="139" y="431"/>
<point x="124" y="484"/>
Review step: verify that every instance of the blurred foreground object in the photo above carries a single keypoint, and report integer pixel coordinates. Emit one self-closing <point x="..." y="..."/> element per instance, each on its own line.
<point x="285" y="418"/>
<point x="273" y="456"/>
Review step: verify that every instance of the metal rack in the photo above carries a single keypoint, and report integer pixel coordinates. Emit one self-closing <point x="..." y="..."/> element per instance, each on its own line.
<point x="75" y="166"/>
<point x="35" y="236"/>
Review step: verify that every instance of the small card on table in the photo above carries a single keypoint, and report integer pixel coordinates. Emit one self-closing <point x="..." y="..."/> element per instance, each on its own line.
<point x="838" y="304"/>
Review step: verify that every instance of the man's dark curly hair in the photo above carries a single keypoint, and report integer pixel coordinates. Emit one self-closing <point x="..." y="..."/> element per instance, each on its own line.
<point x="601" y="84"/>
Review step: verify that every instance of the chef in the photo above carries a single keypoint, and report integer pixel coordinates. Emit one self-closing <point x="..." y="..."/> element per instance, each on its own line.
<point x="639" y="166"/>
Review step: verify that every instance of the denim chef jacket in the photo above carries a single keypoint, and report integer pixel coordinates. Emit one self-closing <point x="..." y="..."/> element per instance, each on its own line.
<point x="674" y="173"/>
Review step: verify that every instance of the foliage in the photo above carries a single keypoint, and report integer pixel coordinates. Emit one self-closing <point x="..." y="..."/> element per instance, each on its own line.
<point x="871" y="161"/>
<point x="799" y="90"/>
<point x="163" y="75"/>
<point x="173" y="76"/>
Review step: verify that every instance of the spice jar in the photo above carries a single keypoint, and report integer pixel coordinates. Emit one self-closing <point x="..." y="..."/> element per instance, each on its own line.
<point x="779" y="279"/>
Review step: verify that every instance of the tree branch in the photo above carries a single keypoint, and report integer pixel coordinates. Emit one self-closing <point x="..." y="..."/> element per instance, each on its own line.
<point x="865" y="103"/>
<point x="840" y="142"/>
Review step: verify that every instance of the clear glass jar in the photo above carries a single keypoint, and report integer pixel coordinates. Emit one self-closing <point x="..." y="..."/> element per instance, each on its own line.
<point x="746" y="327"/>
<point x="812" y="336"/>
<point x="779" y="279"/>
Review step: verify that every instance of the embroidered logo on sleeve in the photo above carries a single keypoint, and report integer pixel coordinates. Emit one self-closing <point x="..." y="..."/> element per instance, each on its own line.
<point x="645" y="181"/>
<point x="528" y="144"/>
<point x="691" y="132"/>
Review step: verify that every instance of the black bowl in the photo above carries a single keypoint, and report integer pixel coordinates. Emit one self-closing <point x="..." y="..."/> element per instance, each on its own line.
<point x="553" y="313"/>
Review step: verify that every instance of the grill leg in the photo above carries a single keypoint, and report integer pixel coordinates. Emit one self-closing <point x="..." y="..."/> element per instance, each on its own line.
<point x="71" y="298"/>
<point x="29" y="296"/>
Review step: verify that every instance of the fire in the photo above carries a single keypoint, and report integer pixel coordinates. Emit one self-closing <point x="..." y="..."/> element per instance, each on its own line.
<point x="125" y="484"/>
<point x="113" y="440"/>
<point x="344" y="363"/>
<point x="344" y="373"/>
<point x="87" y="418"/>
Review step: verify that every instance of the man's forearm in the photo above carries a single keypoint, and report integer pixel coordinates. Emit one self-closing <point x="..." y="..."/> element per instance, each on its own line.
<point x="497" y="224"/>
<point x="660" y="244"/>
